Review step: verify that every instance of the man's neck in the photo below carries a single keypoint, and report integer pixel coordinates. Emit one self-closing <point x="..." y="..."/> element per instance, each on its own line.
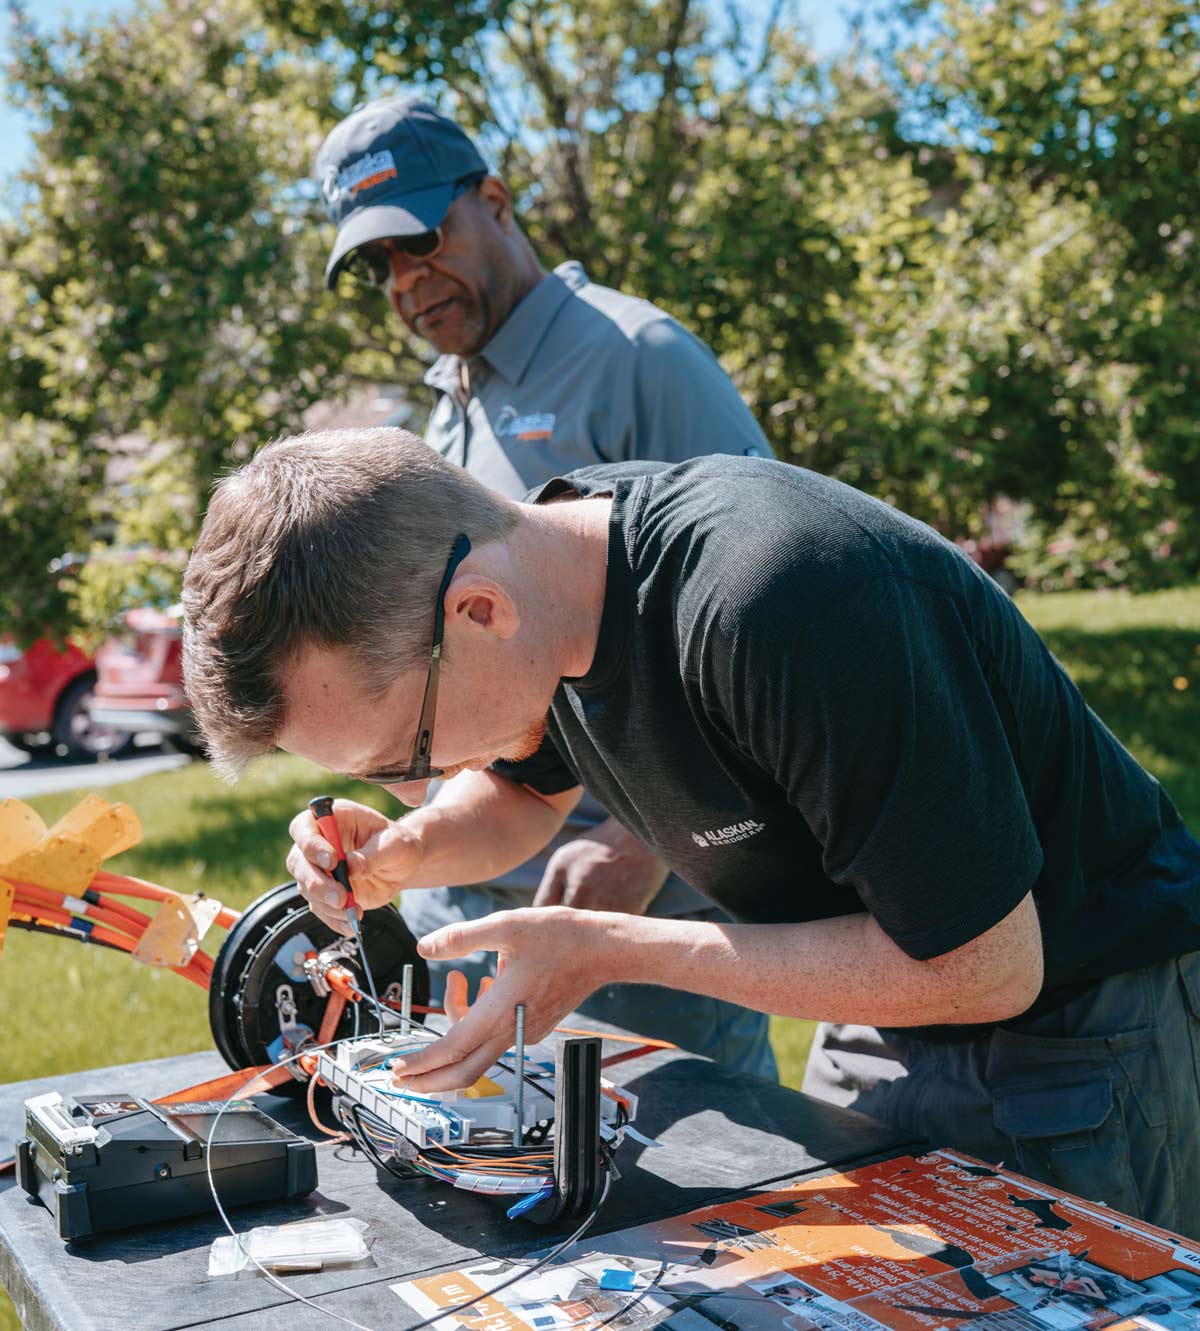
<point x="525" y="277"/>
<point x="564" y="548"/>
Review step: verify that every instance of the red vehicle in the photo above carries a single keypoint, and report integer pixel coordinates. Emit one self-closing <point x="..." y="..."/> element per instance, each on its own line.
<point x="139" y="684"/>
<point x="44" y="696"/>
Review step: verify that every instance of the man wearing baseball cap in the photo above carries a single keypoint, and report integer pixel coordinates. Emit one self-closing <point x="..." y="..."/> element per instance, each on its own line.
<point x="538" y="373"/>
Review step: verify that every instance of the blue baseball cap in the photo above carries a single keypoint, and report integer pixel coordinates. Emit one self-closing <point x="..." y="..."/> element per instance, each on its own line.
<point x="390" y="169"/>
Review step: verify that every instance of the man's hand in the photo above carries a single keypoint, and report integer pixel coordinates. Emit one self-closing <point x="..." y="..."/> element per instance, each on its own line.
<point x="607" y="868"/>
<point x="550" y="960"/>
<point x="381" y="855"/>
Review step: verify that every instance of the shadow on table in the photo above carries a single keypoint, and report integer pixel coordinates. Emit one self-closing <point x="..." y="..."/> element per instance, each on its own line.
<point x="720" y="1133"/>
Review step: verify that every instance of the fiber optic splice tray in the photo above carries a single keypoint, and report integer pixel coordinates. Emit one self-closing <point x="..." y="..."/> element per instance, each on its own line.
<point x="104" y="1162"/>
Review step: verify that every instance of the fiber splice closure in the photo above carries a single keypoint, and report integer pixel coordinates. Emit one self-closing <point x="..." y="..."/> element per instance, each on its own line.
<point x="492" y="1137"/>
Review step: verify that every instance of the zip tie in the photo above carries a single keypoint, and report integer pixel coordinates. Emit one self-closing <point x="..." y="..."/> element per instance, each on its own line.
<point x="518" y="1209"/>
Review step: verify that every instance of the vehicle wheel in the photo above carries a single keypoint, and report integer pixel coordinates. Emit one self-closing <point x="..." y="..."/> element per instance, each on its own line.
<point x="33" y="742"/>
<point x="76" y="732"/>
<point x="188" y="744"/>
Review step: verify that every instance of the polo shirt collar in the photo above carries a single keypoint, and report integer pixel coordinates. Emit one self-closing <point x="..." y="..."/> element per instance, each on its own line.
<point x="515" y="342"/>
<point x="517" y="339"/>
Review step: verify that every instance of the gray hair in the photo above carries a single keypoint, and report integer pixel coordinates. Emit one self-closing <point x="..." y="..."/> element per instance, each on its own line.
<point x="334" y="538"/>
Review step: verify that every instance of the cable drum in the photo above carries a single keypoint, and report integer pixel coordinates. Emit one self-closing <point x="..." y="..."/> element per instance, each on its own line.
<point x="257" y="959"/>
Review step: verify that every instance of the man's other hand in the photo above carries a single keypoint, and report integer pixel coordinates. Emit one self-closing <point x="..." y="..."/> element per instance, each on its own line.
<point x="550" y="960"/>
<point x="381" y="856"/>
<point x="607" y="868"/>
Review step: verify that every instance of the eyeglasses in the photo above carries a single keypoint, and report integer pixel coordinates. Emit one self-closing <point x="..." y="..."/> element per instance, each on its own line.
<point x="371" y="263"/>
<point x="418" y="768"/>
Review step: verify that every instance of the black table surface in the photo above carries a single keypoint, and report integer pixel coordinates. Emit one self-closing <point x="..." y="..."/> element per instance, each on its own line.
<point x="720" y="1134"/>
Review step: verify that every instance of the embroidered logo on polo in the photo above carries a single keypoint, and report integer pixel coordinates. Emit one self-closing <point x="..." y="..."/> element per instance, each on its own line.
<point x="728" y="836"/>
<point x="532" y="425"/>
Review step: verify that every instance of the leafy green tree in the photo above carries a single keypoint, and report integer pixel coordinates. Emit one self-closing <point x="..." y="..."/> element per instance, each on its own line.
<point x="910" y="292"/>
<point x="45" y="496"/>
<point x="1094" y="108"/>
<point x="162" y="277"/>
<point x="954" y="265"/>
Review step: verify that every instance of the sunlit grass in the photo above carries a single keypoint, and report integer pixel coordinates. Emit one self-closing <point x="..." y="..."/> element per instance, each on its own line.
<point x="83" y="1007"/>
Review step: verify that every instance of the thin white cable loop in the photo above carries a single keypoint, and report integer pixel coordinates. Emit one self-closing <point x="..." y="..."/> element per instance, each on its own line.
<point x="545" y="1260"/>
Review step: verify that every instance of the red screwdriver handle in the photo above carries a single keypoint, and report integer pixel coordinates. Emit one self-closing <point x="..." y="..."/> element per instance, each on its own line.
<point x="322" y="811"/>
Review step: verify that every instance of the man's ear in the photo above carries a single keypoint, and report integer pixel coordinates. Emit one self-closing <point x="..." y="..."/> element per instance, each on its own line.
<point x="474" y="601"/>
<point x="494" y="193"/>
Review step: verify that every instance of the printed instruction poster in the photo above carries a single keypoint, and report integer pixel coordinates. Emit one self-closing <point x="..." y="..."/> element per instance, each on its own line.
<point x="935" y="1243"/>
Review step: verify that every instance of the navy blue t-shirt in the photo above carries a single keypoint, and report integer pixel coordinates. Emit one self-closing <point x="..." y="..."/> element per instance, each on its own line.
<point x="807" y="704"/>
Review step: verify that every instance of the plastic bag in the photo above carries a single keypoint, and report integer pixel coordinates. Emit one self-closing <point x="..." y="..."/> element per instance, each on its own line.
<point x="307" y="1245"/>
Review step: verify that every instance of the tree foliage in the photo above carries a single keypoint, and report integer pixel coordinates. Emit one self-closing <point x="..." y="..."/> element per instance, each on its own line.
<point x="1093" y="107"/>
<point x="162" y="276"/>
<point x="955" y="264"/>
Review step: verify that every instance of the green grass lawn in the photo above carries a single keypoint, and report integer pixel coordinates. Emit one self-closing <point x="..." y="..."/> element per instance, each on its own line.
<point x="69" y="1007"/>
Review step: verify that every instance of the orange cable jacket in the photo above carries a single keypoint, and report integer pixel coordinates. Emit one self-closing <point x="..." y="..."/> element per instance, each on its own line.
<point x="123" y="885"/>
<point x="311" y="1098"/>
<point x="42" y="896"/>
<point x="56" y="911"/>
<point x="245" y="1081"/>
<point x="49" y="915"/>
<point x="47" y="898"/>
<point x="330" y="1018"/>
<point x="57" y="898"/>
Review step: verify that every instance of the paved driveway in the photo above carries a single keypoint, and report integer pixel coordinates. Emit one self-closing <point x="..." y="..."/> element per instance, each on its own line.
<point x="22" y="776"/>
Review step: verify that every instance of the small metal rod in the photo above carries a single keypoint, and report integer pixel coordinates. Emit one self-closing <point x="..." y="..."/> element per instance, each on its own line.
<point x="356" y="926"/>
<point x="519" y="1090"/>
<point x="406" y="998"/>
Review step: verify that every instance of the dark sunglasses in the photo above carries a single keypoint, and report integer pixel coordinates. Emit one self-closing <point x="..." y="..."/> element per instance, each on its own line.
<point x="371" y="264"/>
<point x="418" y="768"/>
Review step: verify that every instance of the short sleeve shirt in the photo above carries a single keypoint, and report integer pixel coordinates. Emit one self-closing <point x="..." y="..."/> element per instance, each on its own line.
<point x="810" y="705"/>
<point x="580" y="374"/>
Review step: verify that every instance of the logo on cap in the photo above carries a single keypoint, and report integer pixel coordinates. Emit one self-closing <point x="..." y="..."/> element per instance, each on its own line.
<point x="368" y="171"/>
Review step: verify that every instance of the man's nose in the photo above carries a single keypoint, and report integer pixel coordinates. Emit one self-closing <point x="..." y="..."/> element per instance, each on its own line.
<point x="407" y="271"/>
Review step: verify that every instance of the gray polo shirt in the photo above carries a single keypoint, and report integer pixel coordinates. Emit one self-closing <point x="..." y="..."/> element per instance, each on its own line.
<point x="579" y="374"/>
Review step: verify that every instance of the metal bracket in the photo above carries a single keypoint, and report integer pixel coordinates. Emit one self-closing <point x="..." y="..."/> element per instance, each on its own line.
<point x="316" y="976"/>
<point x="174" y="935"/>
<point x="285" y="1005"/>
<point x="316" y="968"/>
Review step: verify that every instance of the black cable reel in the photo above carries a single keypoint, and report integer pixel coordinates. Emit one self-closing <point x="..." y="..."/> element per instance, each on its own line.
<point x="261" y="994"/>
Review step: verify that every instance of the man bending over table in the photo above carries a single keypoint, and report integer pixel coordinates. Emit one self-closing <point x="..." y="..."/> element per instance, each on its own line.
<point x="809" y="705"/>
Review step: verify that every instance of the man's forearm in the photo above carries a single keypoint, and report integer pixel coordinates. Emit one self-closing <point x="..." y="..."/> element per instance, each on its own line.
<point x="478" y="827"/>
<point x="841" y="970"/>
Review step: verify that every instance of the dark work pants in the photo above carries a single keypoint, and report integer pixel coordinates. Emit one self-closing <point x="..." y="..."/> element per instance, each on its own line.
<point x="1100" y="1097"/>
